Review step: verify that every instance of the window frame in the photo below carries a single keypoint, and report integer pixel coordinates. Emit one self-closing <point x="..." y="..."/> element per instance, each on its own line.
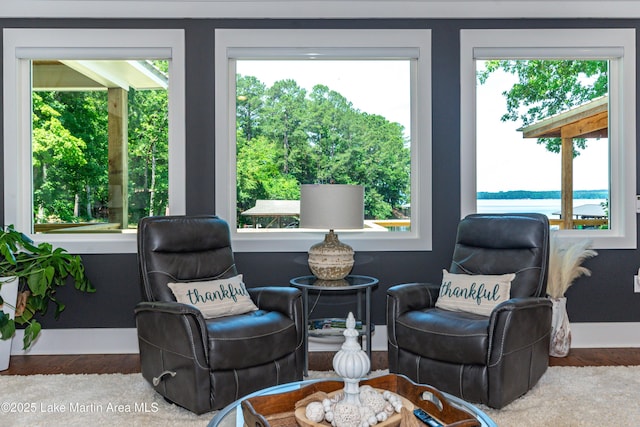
<point x="616" y="45"/>
<point x="20" y="46"/>
<point x="330" y="42"/>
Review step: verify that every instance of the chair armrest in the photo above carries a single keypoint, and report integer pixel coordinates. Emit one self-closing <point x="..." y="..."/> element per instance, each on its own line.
<point x="410" y="296"/>
<point x="174" y="327"/>
<point x="170" y="307"/>
<point x="510" y="318"/>
<point x="277" y="298"/>
<point x="401" y="299"/>
<point x="285" y="300"/>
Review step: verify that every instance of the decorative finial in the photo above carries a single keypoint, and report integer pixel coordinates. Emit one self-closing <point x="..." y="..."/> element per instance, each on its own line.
<point x="356" y="406"/>
<point x="351" y="362"/>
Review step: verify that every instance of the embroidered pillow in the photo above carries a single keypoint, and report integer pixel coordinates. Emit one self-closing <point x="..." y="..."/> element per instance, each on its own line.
<point x="473" y="293"/>
<point x="215" y="298"/>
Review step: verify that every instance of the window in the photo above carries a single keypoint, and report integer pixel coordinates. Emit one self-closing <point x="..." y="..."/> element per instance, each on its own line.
<point x="299" y="120"/>
<point x="570" y="148"/>
<point x="98" y="130"/>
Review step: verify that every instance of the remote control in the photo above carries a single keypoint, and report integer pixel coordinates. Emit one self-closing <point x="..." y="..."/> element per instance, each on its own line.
<point x="426" y="418"/>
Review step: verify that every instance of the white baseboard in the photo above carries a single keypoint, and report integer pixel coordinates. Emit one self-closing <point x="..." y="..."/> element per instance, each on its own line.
<point x="125" y="340"/>
<point x="605" y="335"/>
<point x="80" y="341"/>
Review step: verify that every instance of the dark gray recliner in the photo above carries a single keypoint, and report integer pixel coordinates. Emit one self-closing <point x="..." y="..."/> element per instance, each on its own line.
<point x="205" y="364"/>
<point x="491" y="360"/>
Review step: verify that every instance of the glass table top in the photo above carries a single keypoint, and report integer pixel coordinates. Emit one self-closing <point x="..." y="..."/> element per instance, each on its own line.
<point x="349" y="282"/>
<point x="231" y="416"/>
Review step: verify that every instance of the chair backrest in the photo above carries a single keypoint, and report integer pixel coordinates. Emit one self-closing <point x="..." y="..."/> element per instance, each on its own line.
<point x="182" y="249"/>
<point x="505" y="243"/>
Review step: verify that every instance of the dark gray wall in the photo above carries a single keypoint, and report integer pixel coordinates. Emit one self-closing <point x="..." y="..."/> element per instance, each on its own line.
<point x="606" y="296"/>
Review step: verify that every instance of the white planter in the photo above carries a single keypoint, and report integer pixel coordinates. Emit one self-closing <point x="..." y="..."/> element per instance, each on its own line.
<point x="560" y="328"/>
<point x="9" y="293"/>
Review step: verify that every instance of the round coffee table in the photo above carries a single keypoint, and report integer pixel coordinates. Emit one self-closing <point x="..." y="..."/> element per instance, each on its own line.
<point x="231" y="415"/>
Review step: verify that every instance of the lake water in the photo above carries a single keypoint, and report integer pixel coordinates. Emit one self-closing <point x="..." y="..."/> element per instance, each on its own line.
<point x="544" y="206"/>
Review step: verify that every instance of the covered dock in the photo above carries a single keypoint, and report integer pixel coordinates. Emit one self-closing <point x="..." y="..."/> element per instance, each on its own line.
<point x="589" y="120"/>
<point x="280" y="213"/>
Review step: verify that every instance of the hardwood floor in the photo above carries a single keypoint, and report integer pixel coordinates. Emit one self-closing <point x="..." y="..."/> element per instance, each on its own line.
<point x="130" y="363"/>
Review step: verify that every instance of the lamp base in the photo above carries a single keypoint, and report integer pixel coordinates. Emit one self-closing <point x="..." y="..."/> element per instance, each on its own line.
<point x="331" y="259"/>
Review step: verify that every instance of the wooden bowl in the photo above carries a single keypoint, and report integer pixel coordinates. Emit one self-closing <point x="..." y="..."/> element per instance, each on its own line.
<point x="392" y="421"/>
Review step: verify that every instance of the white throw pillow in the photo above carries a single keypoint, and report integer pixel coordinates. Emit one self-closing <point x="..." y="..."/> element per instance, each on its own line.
<point x="473" y="293"/>
<point x="215" y="298"/>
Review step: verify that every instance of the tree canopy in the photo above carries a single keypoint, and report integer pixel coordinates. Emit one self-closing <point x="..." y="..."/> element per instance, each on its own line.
<point x="287" y="137"/>
<point x="70" y="154"/>
<point x="548" y="87"/>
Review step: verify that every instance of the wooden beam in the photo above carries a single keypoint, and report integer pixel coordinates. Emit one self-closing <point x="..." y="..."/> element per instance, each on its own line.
<point x="551" y="127"/>
<point x="587" y="126"/>
<point x="118" y="158"/>
<point x="52" y="75"/>
<point x="567" y="183"/>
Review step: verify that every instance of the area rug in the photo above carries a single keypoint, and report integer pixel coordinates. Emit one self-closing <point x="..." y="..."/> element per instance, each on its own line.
<point x="565" y="396"/>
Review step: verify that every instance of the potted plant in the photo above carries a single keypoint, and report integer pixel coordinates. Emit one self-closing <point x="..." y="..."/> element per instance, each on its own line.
<point x="565" y="266"/>
<point x="40" y="269"/>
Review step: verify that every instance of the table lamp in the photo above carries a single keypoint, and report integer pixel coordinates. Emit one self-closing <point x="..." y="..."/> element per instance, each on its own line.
<point x="331" y="207"/>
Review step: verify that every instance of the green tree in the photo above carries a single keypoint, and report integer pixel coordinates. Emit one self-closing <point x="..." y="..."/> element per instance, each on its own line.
<point x="249" y="105"/>
<point x="148" y="153"/>
<point x="548" y="87"/>
<point x="317" y="137"/>
<point x="384" y="163"/>
<point x="284" y="111"/>
<point x="259" y="176"/>
<point x="58" y="159"/>
<point x="330" y="118"/>
<point x="83" y="114"/>
<point x="70" y="154"/>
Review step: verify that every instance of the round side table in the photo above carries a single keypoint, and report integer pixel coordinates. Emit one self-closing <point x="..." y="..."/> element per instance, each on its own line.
<point x="361" y="285"/>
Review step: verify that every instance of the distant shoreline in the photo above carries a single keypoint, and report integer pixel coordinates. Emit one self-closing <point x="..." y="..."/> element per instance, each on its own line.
<point x="539" y="195"/>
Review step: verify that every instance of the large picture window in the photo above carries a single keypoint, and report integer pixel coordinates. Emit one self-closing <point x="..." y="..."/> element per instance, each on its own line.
<point x="322" y="106"/>
<point x="545" y="128"/>
<point x="95" y="136"/>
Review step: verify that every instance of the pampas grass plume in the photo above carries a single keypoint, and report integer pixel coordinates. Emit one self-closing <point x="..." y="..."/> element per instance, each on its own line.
<point x="565" y="259"/>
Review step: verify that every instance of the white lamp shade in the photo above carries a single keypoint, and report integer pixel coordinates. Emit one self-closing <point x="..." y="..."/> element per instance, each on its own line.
<point x="331" y="206"/>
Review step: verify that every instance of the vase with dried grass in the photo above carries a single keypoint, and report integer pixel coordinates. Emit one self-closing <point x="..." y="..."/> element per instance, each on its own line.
<point x="565" y="266"/>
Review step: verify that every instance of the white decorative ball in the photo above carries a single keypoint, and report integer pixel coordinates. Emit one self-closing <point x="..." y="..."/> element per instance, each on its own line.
<point x="328" y="416"/>
<point x="326" y="403"/>
<point x="315" y="412"/>
<point x="346" y="415"/>
<point x="373" y="400"/>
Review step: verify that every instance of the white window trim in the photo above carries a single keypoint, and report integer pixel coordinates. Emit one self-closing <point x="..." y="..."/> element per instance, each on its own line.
<point x="97" y="44"/>
<point x="554" y="43"/>
<point x="229" y="41"/>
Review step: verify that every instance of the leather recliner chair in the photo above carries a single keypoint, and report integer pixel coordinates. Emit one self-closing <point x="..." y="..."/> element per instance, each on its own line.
<point x="205" y="364"/>
<point x="491" y="360"/>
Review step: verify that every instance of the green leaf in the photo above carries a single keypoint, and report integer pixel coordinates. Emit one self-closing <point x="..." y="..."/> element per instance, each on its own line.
<point x="37" y="282"/>
<point x="49" y="274"/>
<point x="30" y="334"/>
<point x="7" y="326"/>
<point x="7" y="253"/>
